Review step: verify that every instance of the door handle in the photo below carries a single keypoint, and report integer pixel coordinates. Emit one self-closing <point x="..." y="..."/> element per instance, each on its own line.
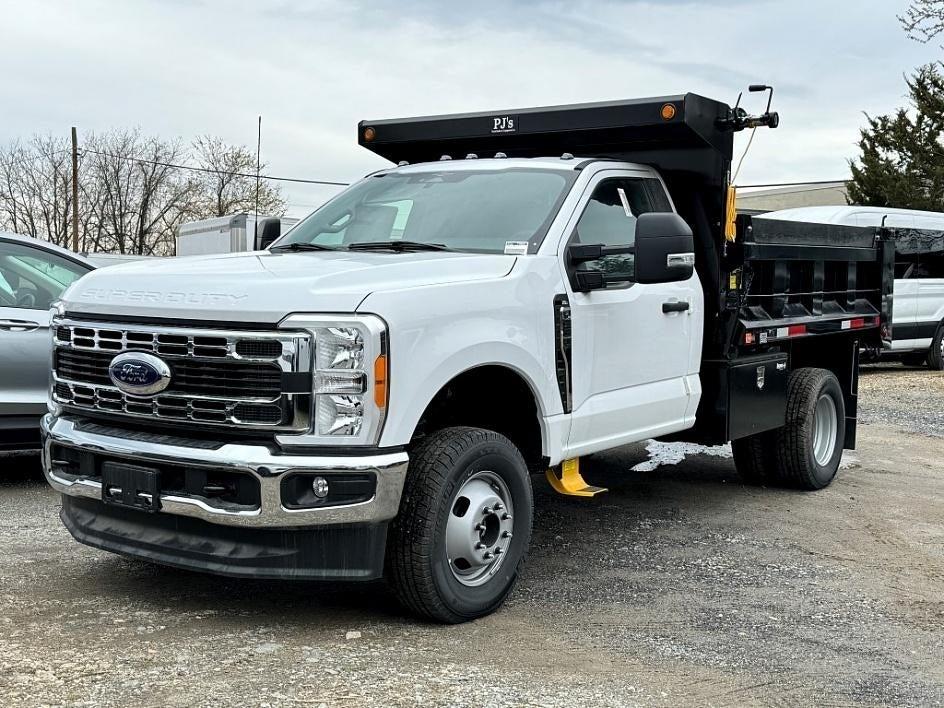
<point x="18" y="326"/>
<point x="674" y="306"/>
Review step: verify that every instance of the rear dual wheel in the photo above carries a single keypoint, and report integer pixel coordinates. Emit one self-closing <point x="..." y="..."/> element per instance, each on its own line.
<point x="804" y="453"/>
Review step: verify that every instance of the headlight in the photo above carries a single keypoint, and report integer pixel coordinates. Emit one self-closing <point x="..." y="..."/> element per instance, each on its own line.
<point x="349" y="379"/>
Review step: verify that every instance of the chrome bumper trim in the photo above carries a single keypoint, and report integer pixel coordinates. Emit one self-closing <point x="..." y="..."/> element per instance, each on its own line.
<point x="256" y="460"/>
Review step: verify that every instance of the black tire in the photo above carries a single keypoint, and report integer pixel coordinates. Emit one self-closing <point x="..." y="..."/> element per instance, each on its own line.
<point x="417" y="566"/>
<point x="936" y="355"/>
<point x="755" y="457"/>
<point x="797" y="463"/>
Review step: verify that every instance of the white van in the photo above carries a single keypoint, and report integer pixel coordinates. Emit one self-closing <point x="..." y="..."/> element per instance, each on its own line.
<point x="918" y="318"/>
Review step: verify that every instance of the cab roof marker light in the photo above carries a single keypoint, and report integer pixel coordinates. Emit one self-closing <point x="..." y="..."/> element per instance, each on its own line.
<point x="445" y="157"/>
<point x="500" y="155"/>
<point x="471" y="156"/>
<point x="567" y="156"/>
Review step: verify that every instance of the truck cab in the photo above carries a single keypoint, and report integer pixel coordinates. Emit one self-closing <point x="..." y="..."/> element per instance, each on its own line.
<point x="371" y="394"/>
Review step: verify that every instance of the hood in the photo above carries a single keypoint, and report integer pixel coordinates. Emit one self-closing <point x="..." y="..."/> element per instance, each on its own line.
<point x="264" y="287"/>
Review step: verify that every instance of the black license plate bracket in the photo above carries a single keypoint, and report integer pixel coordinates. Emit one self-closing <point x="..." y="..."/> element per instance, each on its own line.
<point x="131" y="486"/>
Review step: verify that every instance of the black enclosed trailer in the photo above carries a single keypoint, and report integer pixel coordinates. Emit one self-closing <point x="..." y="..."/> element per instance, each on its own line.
<point x="779" y="296"/>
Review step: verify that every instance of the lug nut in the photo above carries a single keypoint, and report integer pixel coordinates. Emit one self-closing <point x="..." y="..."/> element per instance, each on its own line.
<point x="498" y="551"/>
<point x="506" y="534"/>
<point x="506" y="516"/>
<point x="480" y="527"/>
<point x="488" y="555"/>
<point x="486" y="510"/>
<point x="499" y="506"/>
<point x="479" y="546"/>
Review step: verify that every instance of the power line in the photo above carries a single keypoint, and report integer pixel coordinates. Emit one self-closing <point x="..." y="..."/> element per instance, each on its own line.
<point x="210" y="170"/>
<point x="793" y="184"/>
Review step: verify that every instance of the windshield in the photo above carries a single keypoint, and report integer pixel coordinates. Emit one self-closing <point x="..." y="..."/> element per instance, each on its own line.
<point x="476" y="210"/>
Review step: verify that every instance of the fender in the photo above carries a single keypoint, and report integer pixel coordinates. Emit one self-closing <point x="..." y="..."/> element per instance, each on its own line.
<point x="464" y="326"/>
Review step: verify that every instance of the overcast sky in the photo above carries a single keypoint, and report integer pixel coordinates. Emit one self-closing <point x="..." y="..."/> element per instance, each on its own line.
<point x="313" y="68"/>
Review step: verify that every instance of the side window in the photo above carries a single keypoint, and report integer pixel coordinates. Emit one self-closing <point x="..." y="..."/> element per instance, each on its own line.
<point x="610" y="219"/>
<point x="929" y="266"/>
<point x="32" y="278"/>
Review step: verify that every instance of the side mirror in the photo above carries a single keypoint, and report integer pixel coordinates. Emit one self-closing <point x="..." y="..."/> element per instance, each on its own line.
<point x="665" y="248"/>
<point x="267" y="231"/>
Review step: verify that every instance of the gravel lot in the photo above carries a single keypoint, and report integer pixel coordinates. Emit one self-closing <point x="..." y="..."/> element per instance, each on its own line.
<point x="680" y="586"/>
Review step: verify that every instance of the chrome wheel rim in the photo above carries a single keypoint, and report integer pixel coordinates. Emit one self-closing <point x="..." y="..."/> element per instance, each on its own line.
<point x="479" y="529"/>
<point x="825" y="428"/>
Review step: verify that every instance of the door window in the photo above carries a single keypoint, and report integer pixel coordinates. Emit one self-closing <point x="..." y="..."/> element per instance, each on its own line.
<point x="610" y="219"/>
<point x="929" y="266"/>
<point x="31" y="278"/>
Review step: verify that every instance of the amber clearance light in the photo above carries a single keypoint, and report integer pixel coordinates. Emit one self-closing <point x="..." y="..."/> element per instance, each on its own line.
<point x="668" y="111"/>
<point x="369" y="134"/>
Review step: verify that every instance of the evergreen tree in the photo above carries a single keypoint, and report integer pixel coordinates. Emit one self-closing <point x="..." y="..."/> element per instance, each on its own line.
<point x="902" y="155"/>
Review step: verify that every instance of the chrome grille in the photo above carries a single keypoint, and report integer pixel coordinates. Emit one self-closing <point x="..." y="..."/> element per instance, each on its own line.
<point x="217" y="377"/>
<point x="229" y="379"/>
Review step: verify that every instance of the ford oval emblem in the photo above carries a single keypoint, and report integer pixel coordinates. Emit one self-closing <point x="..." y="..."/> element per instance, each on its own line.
<point x="139" y="374"/>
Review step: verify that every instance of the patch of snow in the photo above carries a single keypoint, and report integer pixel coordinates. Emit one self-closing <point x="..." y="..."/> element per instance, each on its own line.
<point x="672" y="453"/>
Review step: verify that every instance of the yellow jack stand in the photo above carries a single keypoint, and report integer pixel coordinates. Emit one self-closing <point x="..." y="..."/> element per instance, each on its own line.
<point x="570" y="482"/>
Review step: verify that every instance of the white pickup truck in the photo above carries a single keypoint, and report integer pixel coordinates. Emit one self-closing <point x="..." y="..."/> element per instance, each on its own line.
<point x="370" y="395"/>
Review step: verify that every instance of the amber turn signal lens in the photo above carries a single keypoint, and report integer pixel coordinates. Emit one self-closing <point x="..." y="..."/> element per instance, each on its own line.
<point x="380" y="381"/>
<point x="369" y="134"/>
<point x="668" y="111"/>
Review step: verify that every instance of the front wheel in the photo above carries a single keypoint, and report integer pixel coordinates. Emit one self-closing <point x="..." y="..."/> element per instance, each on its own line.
<point x="461" y="537"/>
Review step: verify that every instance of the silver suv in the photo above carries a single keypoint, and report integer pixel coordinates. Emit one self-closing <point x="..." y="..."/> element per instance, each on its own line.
<point x="33" y="274"/>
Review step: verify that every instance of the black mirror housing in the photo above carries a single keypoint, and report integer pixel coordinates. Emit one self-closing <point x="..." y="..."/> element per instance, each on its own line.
<point x="267" y="231"/>
<point x="665" y="248"/>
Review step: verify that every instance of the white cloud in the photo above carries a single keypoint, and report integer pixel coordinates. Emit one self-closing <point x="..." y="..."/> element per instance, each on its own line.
<point x="313" y="69"/>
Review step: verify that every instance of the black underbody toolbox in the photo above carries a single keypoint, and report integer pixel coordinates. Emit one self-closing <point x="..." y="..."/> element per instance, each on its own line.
<point x="744" y="396"/>
<point x="324" y="553"/>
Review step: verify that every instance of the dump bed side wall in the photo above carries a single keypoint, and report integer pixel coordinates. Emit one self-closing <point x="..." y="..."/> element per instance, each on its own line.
<point x="792" y="295"/>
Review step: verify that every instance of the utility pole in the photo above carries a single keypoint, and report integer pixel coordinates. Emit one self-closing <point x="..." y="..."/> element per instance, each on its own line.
<point x="258" y="167"/>
<point x="75" y="191"/>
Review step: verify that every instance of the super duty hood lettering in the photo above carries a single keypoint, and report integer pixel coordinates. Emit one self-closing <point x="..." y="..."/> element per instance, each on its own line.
<point x="190" y="298"/>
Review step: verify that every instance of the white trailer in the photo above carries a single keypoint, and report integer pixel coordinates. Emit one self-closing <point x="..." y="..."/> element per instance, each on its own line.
<point x="230" y="234"/>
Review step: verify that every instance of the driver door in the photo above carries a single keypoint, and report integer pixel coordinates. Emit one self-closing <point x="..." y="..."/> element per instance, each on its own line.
<point x="636" y="347"/>
<point x="30" y="280"/>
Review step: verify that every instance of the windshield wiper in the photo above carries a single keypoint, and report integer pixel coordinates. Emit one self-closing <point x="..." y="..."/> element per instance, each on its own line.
<point x="398" y="246"/>
<point x="302" y="247"/>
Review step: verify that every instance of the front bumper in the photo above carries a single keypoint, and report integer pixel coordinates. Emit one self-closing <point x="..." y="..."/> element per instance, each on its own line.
<point x="267" y="467"/>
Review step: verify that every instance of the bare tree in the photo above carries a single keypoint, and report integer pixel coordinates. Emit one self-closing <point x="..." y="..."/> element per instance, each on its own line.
<point x="134" y="190"/>
<point x="924" y="20"/>
<point x="143" y="196"/>
<point x="36" y="188"/>
<point x="229" y="183"/>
